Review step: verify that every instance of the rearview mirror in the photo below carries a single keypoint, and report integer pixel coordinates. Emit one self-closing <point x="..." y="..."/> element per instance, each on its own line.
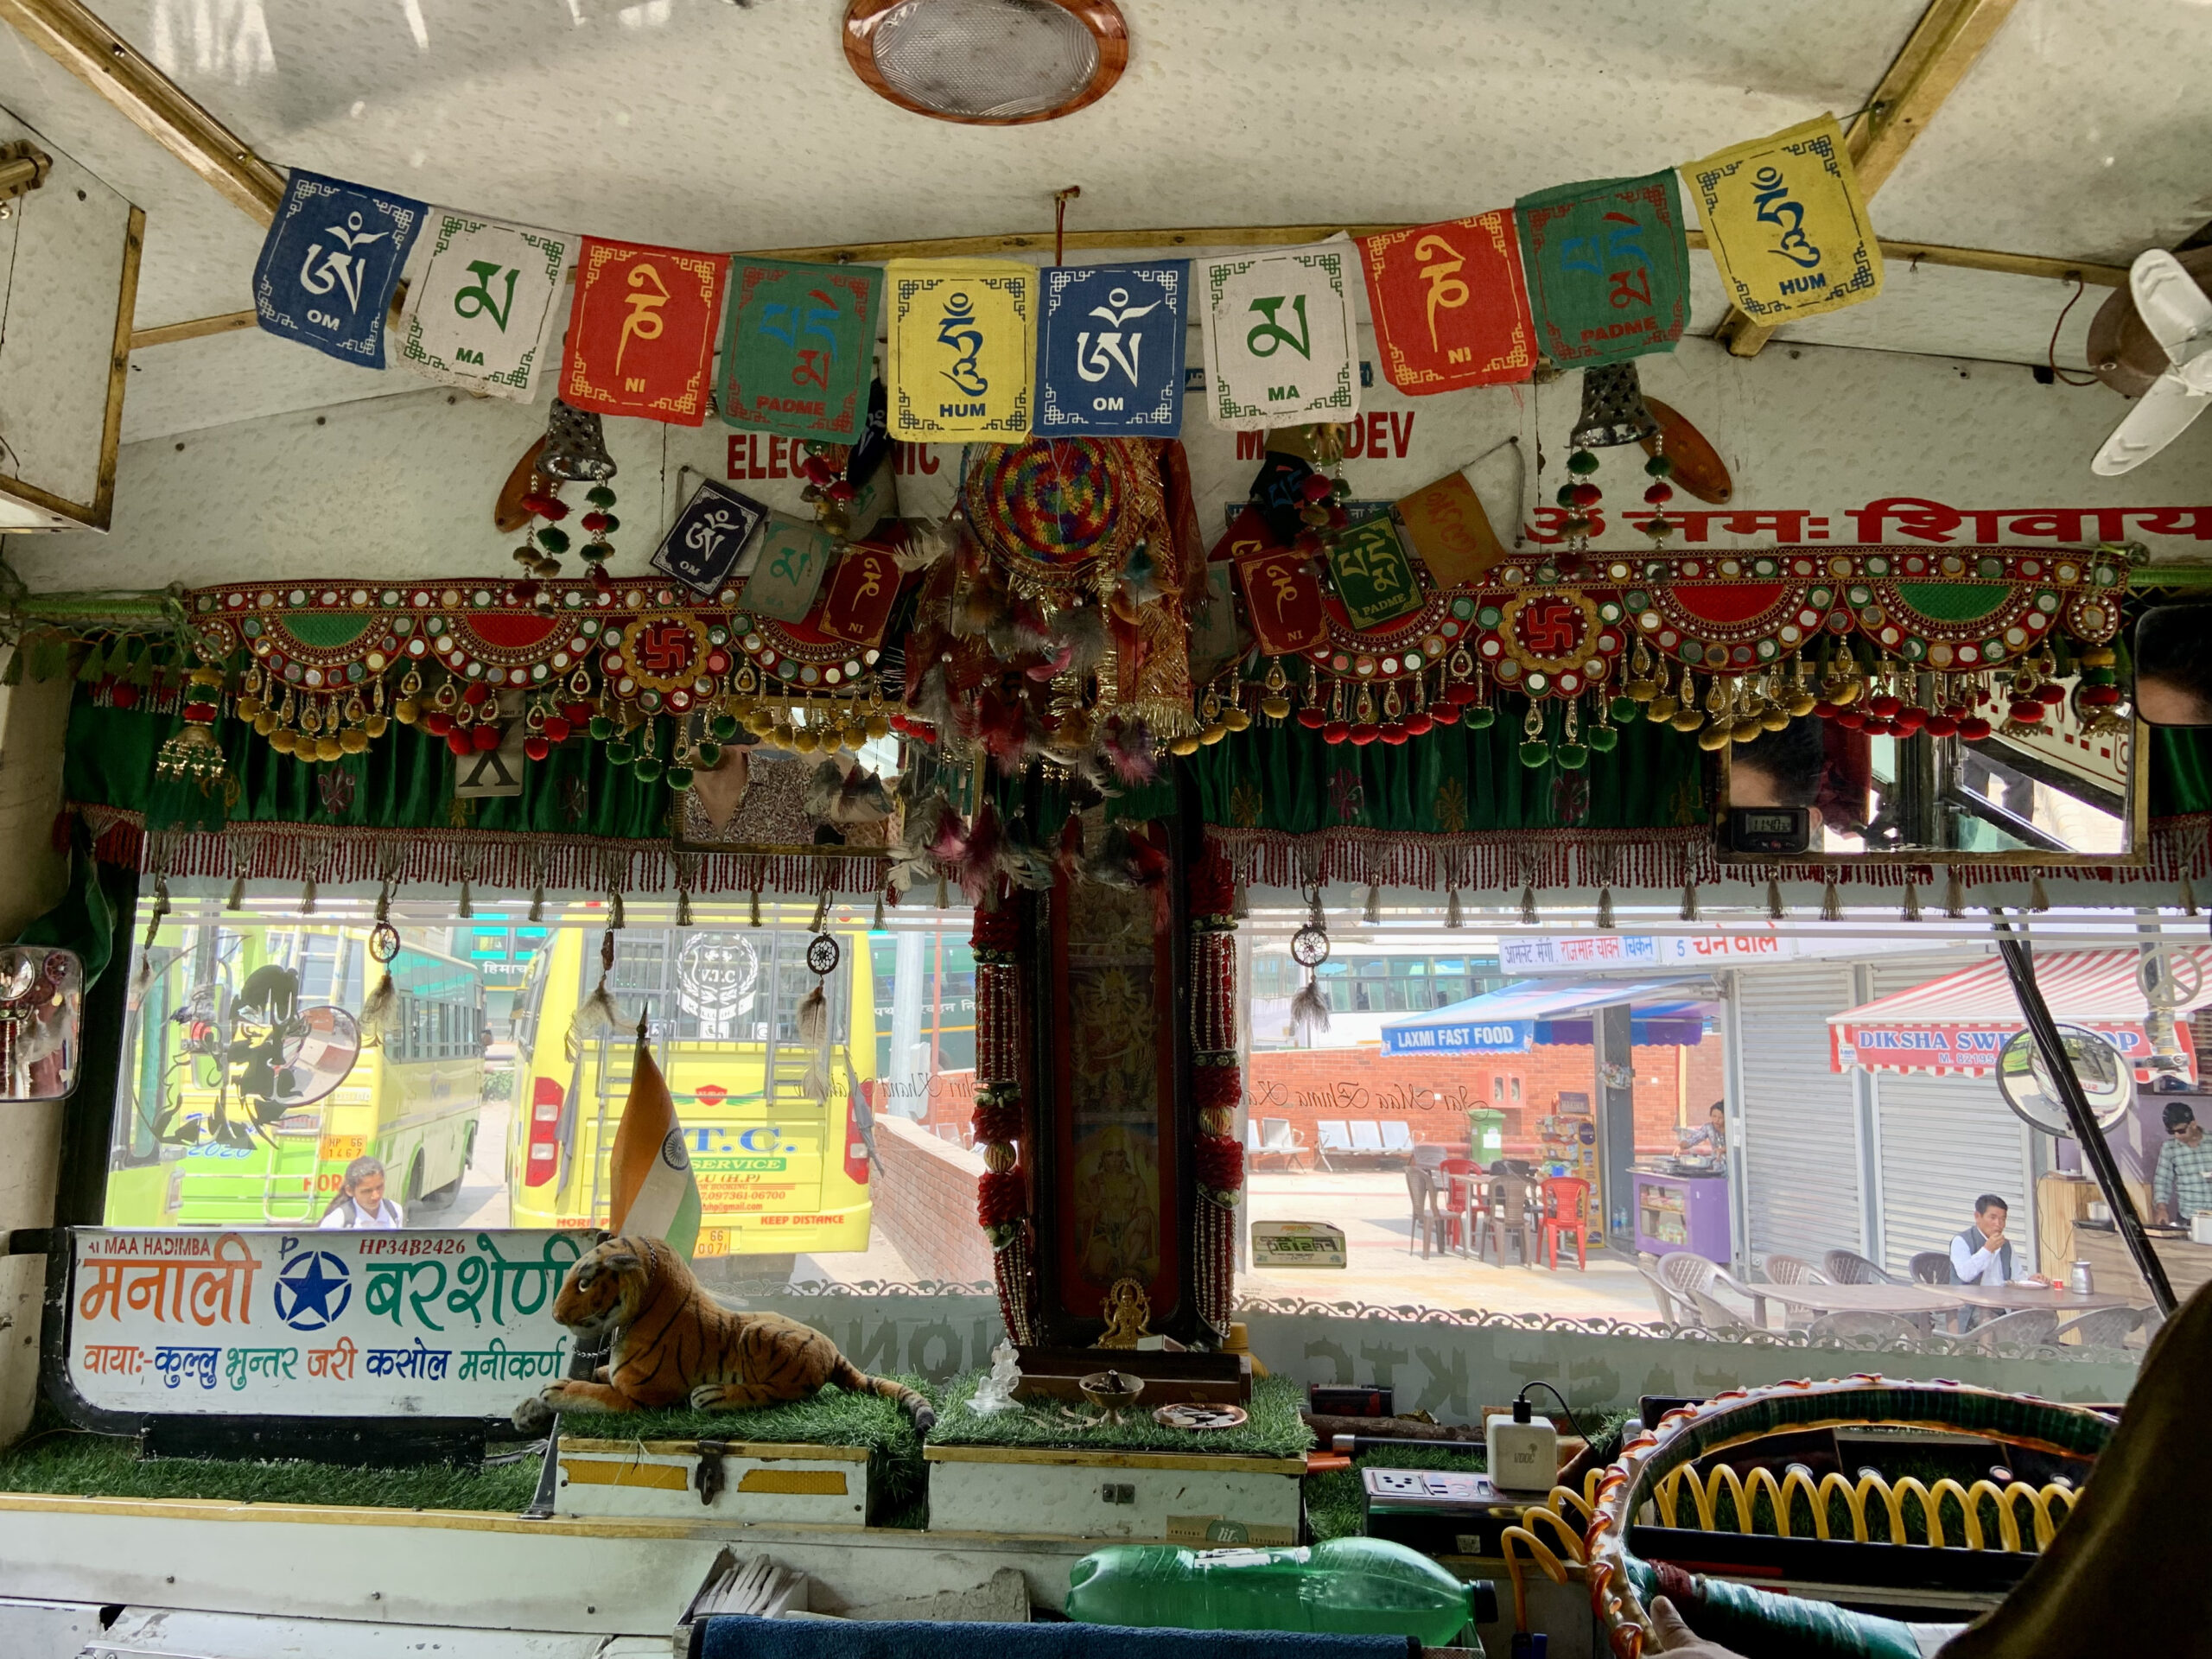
<point x="2173" y="665"/>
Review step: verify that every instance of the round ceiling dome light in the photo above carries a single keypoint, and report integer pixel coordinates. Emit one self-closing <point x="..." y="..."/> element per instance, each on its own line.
<point x="993" y="63"/>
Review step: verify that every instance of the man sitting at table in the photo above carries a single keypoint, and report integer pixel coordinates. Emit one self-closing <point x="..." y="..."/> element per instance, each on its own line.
<point x="2182" y="1183"/>
<point x="1982" y="1255"/>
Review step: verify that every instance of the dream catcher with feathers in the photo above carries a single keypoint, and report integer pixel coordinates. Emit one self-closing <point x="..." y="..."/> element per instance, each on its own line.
<point x="1309" y="949"/>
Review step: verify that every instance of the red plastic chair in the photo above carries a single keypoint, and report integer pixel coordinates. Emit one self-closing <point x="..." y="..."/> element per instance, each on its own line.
<point x="1567" y="1209"/>
<point x="1465" y="1208"/>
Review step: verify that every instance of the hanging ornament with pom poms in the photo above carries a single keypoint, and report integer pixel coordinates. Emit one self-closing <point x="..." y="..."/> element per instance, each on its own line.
<point x="1613" y="413"/>
<point x="378" y="1010"/>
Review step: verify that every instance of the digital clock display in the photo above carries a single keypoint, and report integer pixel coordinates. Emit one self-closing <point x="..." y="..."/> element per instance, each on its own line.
<point x="1770" y="831"/>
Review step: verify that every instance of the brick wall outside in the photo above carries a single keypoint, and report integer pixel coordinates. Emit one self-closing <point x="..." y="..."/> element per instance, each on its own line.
<point x="925" y="1202"/>
<point x="1306" y="1085"/>
<point x="1431" y="1094"/>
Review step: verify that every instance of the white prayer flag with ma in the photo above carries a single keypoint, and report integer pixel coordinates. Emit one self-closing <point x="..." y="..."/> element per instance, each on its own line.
<point x="481" y="308"/>
<point x="1278" y="335"/>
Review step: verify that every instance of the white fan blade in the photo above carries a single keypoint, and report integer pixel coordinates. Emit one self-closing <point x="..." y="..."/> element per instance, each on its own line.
<point x="2159" y="417"/>
<point x="2173" y="308"/>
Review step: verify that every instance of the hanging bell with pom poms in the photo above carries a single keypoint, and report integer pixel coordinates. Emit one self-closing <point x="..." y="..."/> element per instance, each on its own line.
<point x="575" y="446"/>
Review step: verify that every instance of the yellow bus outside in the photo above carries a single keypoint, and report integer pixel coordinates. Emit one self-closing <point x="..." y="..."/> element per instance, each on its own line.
<point x="412" y="1102"/>
<point x="782" y="1167"/>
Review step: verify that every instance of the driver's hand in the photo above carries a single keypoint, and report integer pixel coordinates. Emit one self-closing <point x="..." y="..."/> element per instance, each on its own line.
<point x="1673" y="1637"/>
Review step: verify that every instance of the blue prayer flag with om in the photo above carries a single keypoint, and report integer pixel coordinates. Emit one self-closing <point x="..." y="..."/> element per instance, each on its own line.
<point x="1110" y="349"/>
<point x="330" y="263"/>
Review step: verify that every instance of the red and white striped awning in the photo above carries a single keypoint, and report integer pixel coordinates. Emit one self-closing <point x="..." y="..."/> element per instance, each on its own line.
<point x="1956" y="1025"/>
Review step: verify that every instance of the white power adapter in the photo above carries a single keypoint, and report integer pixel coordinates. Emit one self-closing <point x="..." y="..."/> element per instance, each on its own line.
<point x="1523" y="1451"/>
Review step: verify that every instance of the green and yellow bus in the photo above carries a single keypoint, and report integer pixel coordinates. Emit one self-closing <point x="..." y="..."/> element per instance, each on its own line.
<point x="412" y="1102"/>
<point x="781" y="1169"/>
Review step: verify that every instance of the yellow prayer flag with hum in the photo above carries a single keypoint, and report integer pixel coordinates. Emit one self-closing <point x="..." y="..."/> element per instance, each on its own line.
<point x="963" y="349"/>
<point x="1786" y="224"/>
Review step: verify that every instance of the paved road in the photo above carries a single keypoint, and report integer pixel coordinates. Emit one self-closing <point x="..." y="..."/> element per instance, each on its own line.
<point x="482" y="1201"/>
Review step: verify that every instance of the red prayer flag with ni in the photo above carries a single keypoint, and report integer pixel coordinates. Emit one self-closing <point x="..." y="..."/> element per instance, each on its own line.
<point x="1450" y="304"/>
<point x="641" y="331"/>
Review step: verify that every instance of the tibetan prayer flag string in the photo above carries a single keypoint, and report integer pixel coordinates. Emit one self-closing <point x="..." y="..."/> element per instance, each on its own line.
<point x="787" y="572"/>
<point x="329" y="263"/>
<point x="1110" y="349"/>
<point x="1608" y="268"/>
<point x="1278" y="336"/>
<point x="798" y="347"/>
<point x="1787" y="225"/>
<point x="857" y="607"/>
<point x="1374" y="577"/>
<point x="701" y="547"/>
<point x="641" y="331"/>
<point x="1445" y="525"/>
<point x="481" y="304"/>
<point x="1451" y="307"/>
<point x="964" y="342"/>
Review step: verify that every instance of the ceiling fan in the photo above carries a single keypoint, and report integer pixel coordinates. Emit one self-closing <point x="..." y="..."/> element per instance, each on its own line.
<point x="2172" y="315"/>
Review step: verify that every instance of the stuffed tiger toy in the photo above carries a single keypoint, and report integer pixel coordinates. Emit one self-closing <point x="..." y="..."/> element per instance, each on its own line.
<point x="668" y="1341"/>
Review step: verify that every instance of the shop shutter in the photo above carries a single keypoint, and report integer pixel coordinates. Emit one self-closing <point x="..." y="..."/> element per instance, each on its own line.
<point x="1801" y="1140"/>
<point x="1944" y="1142"/>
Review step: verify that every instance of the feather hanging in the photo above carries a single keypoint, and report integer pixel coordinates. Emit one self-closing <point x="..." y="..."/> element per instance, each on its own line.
<point x="2187" y="898"/>
<point x="1831" y="900"/>
<point x="1130" y="748"/>
<point x="1689" y="911"/>
<point x="752" y="917"/>
<point x="1150" y="862"/>
<point x="1605" y="907"/>
<point x="814" y="1018"/>
<point x="683" y="906"/>
<point x="1773" y="898"/>
<point x="862" y="799"/>
<point x="1373" y="912"/>
<point x="466" y="906"/>
<point x="1529" y="917"/>
<point x="307" y="897"/>
<point x="823" y="787"/>
<point x="932" y="699"/>
<point x="1452" y="917"/>
<point x="1309" y="1013"/>
<point x="876" y="923"/>
<point x="926" y="541"/>
<point x="1114" y="864"/>
<point x="1954" y="893"/>
<point x="1002" y="726"/>
<point x="1023" y="634"/>
<point x="595" y="1018"/>
<point x="1240" y="906"/>
<point x="615" y="916"/>
<point x="976" y="869"/>
<point x="1911" y="912"/>
<point x="538" y="897"/>
<point x="236" y="901"/>
<point x="1068" y="857"/>
<point x="1024" y="866"/>
<point x="1080" y="631"/>
<point x="378" y="1009"/>
<point x="2036" y="901"/>
<point x="981" y="606"/>
<point x="1052" y="663"/>
<point x="821" y="913"/>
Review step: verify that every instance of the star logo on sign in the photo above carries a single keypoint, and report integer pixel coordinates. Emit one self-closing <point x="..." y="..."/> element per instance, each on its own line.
<point x="313" y="1290"/>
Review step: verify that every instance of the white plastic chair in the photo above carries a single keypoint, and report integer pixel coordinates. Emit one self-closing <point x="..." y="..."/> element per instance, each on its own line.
<point x="1367" y="1138"/>
<point x="1397" y="1135"/>
<point x="1335" y="1137"/>
<point x="1277" y="1139"/>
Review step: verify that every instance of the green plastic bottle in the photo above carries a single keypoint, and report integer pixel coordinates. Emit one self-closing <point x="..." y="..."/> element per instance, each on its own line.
<point x="1348" y="1586"/>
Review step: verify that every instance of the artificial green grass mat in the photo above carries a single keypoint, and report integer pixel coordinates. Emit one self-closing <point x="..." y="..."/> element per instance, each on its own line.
<point x="832" y="1417"/>
<point x="70" y="1462"/>
<point x="1337" y="1508"/>
<point x="1273" y="1429"/>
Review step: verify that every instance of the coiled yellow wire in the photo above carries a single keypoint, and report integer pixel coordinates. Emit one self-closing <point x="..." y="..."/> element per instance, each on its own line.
<point x="2047" y="1505"/>
<point x="1558" y="1571"/>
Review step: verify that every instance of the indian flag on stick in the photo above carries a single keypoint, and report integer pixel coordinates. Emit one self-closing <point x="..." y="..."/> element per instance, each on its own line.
<point x="655" y="1193"/>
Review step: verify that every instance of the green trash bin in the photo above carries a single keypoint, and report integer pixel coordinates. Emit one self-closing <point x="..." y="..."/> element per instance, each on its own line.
<point x="1486" y="1135"/>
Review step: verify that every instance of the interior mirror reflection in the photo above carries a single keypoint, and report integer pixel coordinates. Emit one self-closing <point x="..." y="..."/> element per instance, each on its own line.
<point x="2061" y="787"/>
<point x="2173" y="665"/>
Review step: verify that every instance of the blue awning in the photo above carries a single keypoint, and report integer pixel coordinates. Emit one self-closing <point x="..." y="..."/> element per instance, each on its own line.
<point x="1510" y="1020"/>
